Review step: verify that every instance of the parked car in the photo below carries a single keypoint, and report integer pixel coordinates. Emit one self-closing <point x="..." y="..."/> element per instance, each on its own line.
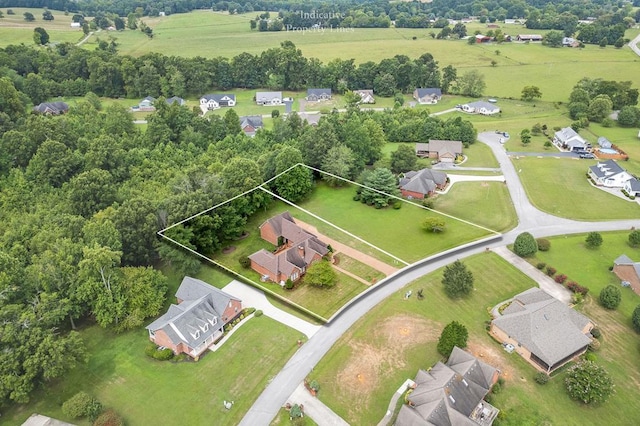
<point x="587" y="155"/>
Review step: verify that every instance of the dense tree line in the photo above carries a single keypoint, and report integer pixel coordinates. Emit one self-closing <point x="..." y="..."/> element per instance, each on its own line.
<point x="594" y="99"/>
<point x="82" y="195"/>
<point x="65" y="70"/>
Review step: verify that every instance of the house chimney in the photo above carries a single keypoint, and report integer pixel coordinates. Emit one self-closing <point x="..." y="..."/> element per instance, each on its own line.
<point x="301" y="251"/>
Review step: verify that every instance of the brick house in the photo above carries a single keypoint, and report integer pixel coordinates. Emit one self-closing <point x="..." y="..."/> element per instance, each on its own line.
<point x="428" y="95"/>
<point x="543" y="330"/>
<point x="197" y="320"/>
<point x="629" y="271"/>
<point x="442" y="150"/>
<point x="422" y="183"/>
<point x="296" y="249"/>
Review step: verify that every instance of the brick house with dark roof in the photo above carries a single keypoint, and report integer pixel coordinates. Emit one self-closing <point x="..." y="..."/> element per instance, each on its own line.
<point x="197" y="320"/>
<point x="451" y="394"/>
<point x="422" y="183"/>
<point x="543" y="330"/>
<point x="52" y="108"/>
<point x="428" y="95"/>
<point x="296" y="249"/>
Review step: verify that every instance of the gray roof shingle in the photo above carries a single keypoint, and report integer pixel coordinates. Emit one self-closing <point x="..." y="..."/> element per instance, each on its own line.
<point x="544" y="325"/>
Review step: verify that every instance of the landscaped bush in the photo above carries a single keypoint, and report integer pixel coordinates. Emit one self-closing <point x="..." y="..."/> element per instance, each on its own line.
<point x="595" y="332"/>
<point x="164" y="354"/>
<point x="593" y="240"/>
<point x="525" y="245"/>
<point x="245" y="262"/>
<point x="427" y="203"/>
<point x="610" y="297"/>
<point x="577" y="288"/>
<point x="453" y="334"/>
<point x="560" y="278"/>
<point x="248" y="311"/>
<point x="543" y="244"/>
<point x="594" y="346"/>
<point x="541" y="265"/>
<point x="150" y="350"/>
<point x="397" y="205"/>
<point x="109" y="418"/>
<point x="550" y="271"/>
<point x="82" y="405"/>
<point x="541" y="378"/>
<point x="590" y="356"/>
<point x="634" y="238"/>
<point x="289" y="284"/>
<point x="635" y="319"/>
<point x="258" y="313"/>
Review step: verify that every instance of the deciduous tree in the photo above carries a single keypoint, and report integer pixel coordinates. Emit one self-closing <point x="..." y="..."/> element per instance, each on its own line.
<point x="589" y="383"/>
<point x="321" y="274"/>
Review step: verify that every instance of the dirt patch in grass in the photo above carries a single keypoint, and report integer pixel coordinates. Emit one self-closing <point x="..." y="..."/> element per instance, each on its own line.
<point x="373" y="360"/>
<point x="229" y="249"/>
<point x="495" y="356"/>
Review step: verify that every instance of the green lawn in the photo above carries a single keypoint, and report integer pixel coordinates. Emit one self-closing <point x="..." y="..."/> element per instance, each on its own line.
<point x="15" y="30"/>
<point x="381" y="358"/>
<point x="553" y="70"/>
<point x="560" y="187"/>
<point x="490" y="198"/>
<point x="412" y="328"/>
<point x="360" y="269"/>
<point x="479" y="155"/>
<point x="145" y="391"/>
<point x="398" y="232"/>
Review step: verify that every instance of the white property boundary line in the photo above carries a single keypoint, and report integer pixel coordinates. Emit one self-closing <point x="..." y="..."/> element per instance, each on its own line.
<point x="262" y="188"/>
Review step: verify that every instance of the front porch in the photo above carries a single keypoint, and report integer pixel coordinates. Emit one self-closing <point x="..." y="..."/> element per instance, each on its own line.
<point x="196" y="352"/>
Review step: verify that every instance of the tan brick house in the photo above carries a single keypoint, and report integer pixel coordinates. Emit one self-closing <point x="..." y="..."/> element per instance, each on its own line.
<point x="197" y="320"/>
<point x="422" y="183"/>
<point x="543" y="330"/>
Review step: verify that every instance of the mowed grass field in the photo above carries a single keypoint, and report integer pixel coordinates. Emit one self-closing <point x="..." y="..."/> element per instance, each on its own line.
<point x="555" y="71"/>
<point x="145" y="391"/>
<point x="15" y="30"/>
<point x="362" y="371"/>
<point x="559" y="186"/>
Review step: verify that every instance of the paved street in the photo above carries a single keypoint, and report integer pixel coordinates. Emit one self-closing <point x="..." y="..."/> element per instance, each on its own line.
<point x="531" y="219"/>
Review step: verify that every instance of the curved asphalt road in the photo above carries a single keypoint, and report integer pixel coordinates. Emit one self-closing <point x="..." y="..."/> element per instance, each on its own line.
<point x="531" y="219"/>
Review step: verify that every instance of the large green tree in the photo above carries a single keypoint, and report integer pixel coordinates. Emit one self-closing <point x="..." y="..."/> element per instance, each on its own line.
<point x="403" y="159"/>
<point x="321" y="274"/>
<point x="525" y="245"/>
<point x="589" y="383"/>
<point x="457" y="280"/>
<point x="379" y="188"/>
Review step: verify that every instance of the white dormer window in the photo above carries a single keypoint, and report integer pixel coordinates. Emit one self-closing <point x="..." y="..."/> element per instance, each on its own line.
<point x="196" y="334"/>
<point x="204" y="327"/>
<point x="213" y="321"/>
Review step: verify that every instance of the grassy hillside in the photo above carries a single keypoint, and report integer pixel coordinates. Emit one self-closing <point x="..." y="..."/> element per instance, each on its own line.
<point x="15" y="30"/>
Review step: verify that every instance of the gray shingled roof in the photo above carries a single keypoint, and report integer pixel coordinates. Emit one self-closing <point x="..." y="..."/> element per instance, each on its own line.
<point x="606" y="168"/>
<point x="567" y="134"/>
<point x="443" y="146"/>
<point x="218" y="97"/>
<point x="483" y="104"/>
<point x="429" y="91"/>
<point x="626" y="260"/>
<point x="51" y="107"/>
<point x="319" y="92"/>
<point x="634" y="184"/>
<point x="268" y="96"/>
<point x="254" y="121"/>
<point x="202" y="304"/>
<point x="544" y="325"/>
<point x="175" y="99"/>
<point x="448" y="393"/>
<point x="422" y="181"/>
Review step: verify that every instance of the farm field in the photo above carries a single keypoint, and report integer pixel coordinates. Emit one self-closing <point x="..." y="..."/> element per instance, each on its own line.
<point x="553" y="70"/>
<point x="363" y="370"/>
<point x="15" y="30"/>
<point x="559" y="186"/>
<point x="141" y="389"/>
<point x="212" y="34"/>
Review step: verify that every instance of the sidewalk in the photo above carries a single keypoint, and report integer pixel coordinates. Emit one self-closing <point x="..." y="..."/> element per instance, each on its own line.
<point x="546" y="283"/>
<point x="252" y="297"/>
<point x="314" y="408"/>
<point x="394" y="401"/>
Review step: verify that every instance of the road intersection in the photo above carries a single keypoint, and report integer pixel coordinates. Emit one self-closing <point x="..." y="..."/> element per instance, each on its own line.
<point x="530" y="219"/>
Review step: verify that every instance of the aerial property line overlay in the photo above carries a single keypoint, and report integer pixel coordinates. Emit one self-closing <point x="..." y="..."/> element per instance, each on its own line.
<point x="263" y="187"/>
